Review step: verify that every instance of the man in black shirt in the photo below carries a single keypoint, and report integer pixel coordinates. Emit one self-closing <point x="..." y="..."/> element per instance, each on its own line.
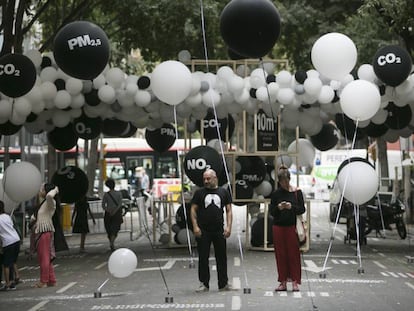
<point x="207" y="209"/>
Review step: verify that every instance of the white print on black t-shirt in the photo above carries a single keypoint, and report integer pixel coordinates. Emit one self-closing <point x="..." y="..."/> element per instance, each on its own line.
<point x="212" y="199"/>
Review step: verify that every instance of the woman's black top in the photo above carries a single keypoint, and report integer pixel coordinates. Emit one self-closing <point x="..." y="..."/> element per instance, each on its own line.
<point x="286" y="217"/>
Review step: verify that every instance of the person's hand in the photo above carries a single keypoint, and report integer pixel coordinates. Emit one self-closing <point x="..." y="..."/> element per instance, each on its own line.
<point x="197" y="232"/>
<point x="94" y="222"/>
<point x="227" y="233"/>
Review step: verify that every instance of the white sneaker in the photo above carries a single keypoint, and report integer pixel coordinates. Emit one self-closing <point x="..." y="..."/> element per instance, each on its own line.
<point x="202" y="288"/>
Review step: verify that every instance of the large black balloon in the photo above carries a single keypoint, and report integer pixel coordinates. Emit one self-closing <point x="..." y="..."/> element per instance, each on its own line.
<point x="81" y="50"/>
<point x="87" y="128"/>
<point x="210" y="125"/>
<point x="115" y="127"/>
<point x="392" y="64"/>
<point x="252" y="170"/>
<point x="198" y="159"/>
<point x="326" y="139"/>
<point x="250" y="27"/>
<point x="63" y="138"/>
<point x="398" y="117"/>
<point x="17" y="75"/>
<point x="9" y="128"/>
<point x="72" y="183"/>
<point x="132" y="129"/>
<point x="243" y="191"/>
<point x="161" y="139"/>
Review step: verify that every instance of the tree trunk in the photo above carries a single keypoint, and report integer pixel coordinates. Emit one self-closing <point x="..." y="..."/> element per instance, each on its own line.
<point x="51" y="162"/>
<point x="91" y="167"/>
<point x="383" y="163"/>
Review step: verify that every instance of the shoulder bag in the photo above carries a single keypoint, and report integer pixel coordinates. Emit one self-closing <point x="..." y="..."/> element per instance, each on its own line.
<point x="300" y="226"/>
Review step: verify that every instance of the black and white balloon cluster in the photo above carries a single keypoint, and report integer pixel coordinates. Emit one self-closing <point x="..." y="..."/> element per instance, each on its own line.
<point x="75" y="93"/>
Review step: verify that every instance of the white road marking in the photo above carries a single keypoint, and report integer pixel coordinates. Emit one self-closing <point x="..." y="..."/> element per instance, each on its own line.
<point x="100" y="266"/>
<point x="65" y="288"/>
<point x="168" y="265"/>
<point x="236" y="283"/>
<point x="237" y="261"/>
<point x="297" y="295"/>
<point x="236" y="303"/>
<point x="379" y="264"/>
<point x="39" y="305"/>
<point x="409" y="285"/>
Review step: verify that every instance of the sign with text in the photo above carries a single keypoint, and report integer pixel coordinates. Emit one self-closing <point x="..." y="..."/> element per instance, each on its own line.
<point x="267" y="132"/>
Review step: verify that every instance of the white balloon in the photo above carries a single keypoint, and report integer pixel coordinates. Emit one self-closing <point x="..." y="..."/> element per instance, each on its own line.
<point x="285" y="96"/>
<point x="380" y="116"/>
<point x="35" y="56"/>
<point x="284" y="78"/>
<point x="211" y="98"/>
<point x="265" y="188"/>
<point x="9" y="204"/>
<point x="106" y="94"/>
<point x="73" y="86"/>
<point x="171" y="82"/>
<point x="122" y="263"/>
<point x="115" y="77"/>
<point x="313" y="86"/>
<point x="21" y="181"/>
<point x="305" y="152"/>
<point x="184" y="56"/>
<point x="22" y="106"/>
<point x="62" y="99"/>
<point x="61" y="118"/>
<point x="99" y="81"/>
<point x="6" y="108"/>
<point x="48" y="74"/>
<point x="326" y="95"/>
<point x="366" y="72"/>
<point x="360" y="100"/>
<point x="48" y="90"/>
<point x="78" y="101"/>
<point x="142" y="98"/>
<point x="358" y="181"/>
<point x="334" y="55"/>
<point x="131" y="89"/>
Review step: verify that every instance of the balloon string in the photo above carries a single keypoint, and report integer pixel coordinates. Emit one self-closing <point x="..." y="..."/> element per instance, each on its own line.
<point x="203" y="29"/>
<point x="267" y="89"/>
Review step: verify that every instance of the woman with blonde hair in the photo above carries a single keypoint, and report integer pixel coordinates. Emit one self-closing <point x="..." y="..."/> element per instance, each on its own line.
<point x="285" y="204"/>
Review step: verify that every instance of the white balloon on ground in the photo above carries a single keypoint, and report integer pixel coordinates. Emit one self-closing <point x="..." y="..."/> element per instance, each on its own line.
<point x="122" y="263"/>
<point x="21" y="181"/>
<point x="358" y="181"/>
<point x="334" y="55"/>
<point x="360" y="100"/>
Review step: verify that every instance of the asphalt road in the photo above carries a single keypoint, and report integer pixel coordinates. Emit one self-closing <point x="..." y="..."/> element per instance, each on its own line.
<point x="335" y="275"/>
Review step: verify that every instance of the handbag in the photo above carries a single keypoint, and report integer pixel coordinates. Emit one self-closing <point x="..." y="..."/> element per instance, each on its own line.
<point x="300" y="230"/>
<point x="300" y="226"/>
<point x="112" y="213"/>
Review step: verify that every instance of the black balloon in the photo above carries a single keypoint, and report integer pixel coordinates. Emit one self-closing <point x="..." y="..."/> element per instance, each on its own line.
<point x="72" y="183"/>
<point x="243" y="191"/>
<point x="114" y="127"/>
<point x="92" y="98"/>
<point x="143" y="82"/>
<point x="17" y="75"/>
<point x="257" y="235"/>
<point x="46" y="62"/>
<point x="9" y="128"/>
<point x="87" y="128"/>
<point x="398" y="117"/>
<point x="301" y="76"/>
<point x="161" y="139"/>
<point x="392" y="64"/>
<point x="132" y="129"/>
<point x="326" y="139"/>
<point x="234" y="56"/>
<point x="347" y="127"/>
<point x="375" y="130"/>
<point x="252" y="170"/>
<point x="210" y="125"/>
<point x="198" y="159"/>
<point x="63" y="138"/>
<point x="81" y="50"/>
<point x="250" y="28"/>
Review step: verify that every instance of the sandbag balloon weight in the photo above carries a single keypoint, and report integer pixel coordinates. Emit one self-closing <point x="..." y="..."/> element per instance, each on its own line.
<point x="72" y="183"/>
<point x="22" y="181"/>
<point x="81" y="50"/>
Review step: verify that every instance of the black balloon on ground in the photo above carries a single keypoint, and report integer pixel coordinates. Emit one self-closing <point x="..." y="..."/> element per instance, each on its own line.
<point x="161" y="139"/>
<point x="72" y="183"/>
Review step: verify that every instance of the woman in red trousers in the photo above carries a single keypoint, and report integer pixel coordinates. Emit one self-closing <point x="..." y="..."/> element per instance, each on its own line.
<point x="43" y="231"/>
<point x="285" y="204"/>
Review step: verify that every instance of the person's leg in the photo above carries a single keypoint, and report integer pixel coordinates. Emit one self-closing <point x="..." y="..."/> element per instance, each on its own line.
<point x="220" y="252"/>
<point x="279" y="243"/>
<point x="203" y="247"/>
<point x="43" y="255"/>
<point x="82" y="242"/>
<point x="293" y="254"/>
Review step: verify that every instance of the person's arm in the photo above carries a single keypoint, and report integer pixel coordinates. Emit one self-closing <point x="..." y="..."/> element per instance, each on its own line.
<point x="196" y="228"/>
<point x="50" y="198"/>
<point x="299" y="205"/>
<point x="229" y="220"/>
<point x="90" y="213"/>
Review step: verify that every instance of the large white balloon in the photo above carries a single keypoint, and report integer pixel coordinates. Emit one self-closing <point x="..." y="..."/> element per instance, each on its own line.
<point x="360" y="100"/>
<point x="122" y="263"/>
<point x="171" y="82"/>
<point x="9" y="204"/>
<point x="334" y="55"/>
<point x="22" y="181"/>
<point x="305" y="152"/>
<point x="358" y="181"/>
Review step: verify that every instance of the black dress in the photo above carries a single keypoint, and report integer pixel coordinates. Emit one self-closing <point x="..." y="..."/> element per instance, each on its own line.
<point x="80" y="224"/>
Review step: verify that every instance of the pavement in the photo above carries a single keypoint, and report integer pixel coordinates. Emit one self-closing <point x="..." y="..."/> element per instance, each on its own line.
<point x="335" y="275"/>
